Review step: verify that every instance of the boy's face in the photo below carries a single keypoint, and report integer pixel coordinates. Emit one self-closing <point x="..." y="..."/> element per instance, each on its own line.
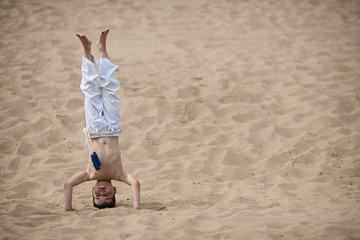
<point x="103" y="192"/>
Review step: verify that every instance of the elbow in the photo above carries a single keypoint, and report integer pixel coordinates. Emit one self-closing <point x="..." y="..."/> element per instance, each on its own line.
<point x="137" y="184"/>
<point x="66" y="185"/>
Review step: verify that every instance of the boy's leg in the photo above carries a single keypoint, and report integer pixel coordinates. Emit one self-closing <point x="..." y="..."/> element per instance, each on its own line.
<point x="86" y="45"/>
<point x="101" y="43"/>
<point x="109" y="85"/>
<point x="90" y="88"/>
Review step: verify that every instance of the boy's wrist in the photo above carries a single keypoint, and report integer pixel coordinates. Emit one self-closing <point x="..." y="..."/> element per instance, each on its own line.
<point x="68" y="207"/>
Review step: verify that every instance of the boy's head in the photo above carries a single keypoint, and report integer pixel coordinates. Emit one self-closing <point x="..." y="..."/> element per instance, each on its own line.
<point x="104" y="194"/>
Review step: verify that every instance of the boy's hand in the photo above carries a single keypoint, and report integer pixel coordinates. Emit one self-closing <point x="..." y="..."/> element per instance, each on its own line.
<point x="71" y="209"/>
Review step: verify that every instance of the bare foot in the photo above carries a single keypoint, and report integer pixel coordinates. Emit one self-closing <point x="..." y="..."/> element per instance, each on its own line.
<point x="86" y="44"/>
<point x="101" y="43"/>
<point x="85" y="41"/>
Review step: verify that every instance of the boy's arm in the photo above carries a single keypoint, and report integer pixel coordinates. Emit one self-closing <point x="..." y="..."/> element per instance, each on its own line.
<point x="135" y="185"/>
<point x="69" y="184"/>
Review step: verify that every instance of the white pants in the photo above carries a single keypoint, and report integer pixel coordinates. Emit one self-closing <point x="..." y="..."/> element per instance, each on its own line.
<point x="102" y="105"/>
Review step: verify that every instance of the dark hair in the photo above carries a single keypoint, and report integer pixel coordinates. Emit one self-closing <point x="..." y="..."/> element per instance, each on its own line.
<point x="105" y="205"/>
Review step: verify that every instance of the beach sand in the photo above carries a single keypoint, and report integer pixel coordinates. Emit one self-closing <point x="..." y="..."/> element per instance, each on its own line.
<point x="239" y="118"/>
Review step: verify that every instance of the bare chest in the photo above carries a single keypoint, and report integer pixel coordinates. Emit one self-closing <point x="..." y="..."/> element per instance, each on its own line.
<point x="107" y="171"/>
<point x="108" y="152"/>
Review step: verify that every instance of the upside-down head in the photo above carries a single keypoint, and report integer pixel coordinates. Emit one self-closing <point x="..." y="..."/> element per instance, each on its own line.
<point x="104" y="194"/>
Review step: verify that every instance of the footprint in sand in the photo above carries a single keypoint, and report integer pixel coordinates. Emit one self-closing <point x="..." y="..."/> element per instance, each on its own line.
<point x="74" y="104"/>
<point x="7" y="146"/>
<point x="14" y="163"/>
<point x="26" y="149"/>
<point x="242" y="97"/>
<point x="188" y="92"/>
<point x="41" y="124"/>
<point x="246" y="117"/>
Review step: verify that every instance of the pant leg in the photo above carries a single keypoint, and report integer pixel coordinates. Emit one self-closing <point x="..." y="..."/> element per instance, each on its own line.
<point x="95" y="119"/>
<point x="109" y="87"/>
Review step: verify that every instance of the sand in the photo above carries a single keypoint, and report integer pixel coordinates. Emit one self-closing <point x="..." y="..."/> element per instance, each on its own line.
<point x="240" y="118"/>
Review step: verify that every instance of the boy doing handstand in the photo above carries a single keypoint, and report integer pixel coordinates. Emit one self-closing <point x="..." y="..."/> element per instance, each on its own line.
<point x="102" y="113"/>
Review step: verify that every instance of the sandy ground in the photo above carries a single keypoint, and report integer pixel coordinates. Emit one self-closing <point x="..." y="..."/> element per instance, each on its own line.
<point x="240" y="118"/>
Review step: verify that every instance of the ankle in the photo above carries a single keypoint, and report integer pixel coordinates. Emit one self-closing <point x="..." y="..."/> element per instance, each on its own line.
<point x="103" y="52"/>
<point x="102" y="48"/>
<point x="88" y="56"/>
<point x="104" y="55"/>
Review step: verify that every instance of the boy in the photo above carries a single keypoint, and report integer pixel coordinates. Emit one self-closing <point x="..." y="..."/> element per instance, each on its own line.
<point x="102" y="113"/>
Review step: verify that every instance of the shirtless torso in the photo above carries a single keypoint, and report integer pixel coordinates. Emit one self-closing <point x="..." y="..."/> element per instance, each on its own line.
<point x="108" y="152"/>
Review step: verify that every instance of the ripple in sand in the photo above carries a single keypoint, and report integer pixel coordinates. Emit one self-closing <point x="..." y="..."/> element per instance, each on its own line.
<point x="288" y="132"/>
<point x="351" y="118"/>
<point x="24" y="189"/>
<point x="8" y="124"/>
